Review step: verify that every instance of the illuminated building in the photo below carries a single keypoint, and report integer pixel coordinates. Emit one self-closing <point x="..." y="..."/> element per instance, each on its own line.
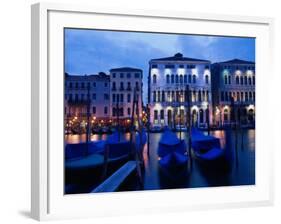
<point x="78" y="87"/>
<point x="234" y="79"/>
<point x="167" y="82"/>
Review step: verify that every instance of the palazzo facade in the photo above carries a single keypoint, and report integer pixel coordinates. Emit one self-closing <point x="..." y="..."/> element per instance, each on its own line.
<point x="167" y="81"/>
<point x="233" y="89"/>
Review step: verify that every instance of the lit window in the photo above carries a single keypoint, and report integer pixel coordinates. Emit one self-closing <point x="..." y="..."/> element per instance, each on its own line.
<point x="225" y="80"/>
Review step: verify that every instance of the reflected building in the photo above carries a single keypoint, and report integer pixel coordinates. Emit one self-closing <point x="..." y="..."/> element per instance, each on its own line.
<point x="233" y="90"/>
<point x="167" y="81"/>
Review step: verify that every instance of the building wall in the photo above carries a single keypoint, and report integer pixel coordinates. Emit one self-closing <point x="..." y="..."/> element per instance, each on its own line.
<point x="172" y="101"/>
<point x="131" y="79"/>
<point x="76" y="96"/>
<point x="235" y="81"/>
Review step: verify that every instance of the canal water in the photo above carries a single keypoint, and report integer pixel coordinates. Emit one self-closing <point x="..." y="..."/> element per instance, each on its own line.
<point x="239" y="170"/>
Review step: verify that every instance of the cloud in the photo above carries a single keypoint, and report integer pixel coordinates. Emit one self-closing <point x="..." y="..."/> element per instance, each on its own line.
<point x="92" y="51"/>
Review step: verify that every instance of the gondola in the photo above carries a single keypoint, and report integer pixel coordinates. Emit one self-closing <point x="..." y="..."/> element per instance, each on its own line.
<point x="206" y="147"/>
<point x="172" y="150"/>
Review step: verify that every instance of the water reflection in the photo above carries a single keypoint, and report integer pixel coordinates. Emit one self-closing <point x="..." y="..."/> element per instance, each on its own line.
<point x="239" y="171"/>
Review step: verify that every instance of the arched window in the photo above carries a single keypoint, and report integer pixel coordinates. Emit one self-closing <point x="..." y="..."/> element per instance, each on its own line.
<point x="237" y="80"/>
<point x="241" y="80"/>
<point x="167" y="79"/>
<point x="229" y="79"/>
<point x="201" y="115"/>
<point x="185" y="79"/>
<point x="172" y="78"/>
<point x="206" y="79"/>
<point x="181" y="79"/>
<point x="251" y="115"/>
<point x="242" y="96"/>
<point x="154" y="79"/>
<point x="246" y="96"/>
<point x="189" y="78"/>
<point x="250" y="96"/>
<point x="154" y="96"/>
<point x="199" y="96"/>
<point x="204" y="97"/>
<point x="245" y="80"/>
<point x="163" y="96"/>
<point x="225" y="114"/>
<point x="238" y="96"/>
<point x="225" y="79"/>
<point x="250" y="81"/>
<point x="254" y="80"/>
<point x="177" y="79"/>
<point x="194" y="79"/>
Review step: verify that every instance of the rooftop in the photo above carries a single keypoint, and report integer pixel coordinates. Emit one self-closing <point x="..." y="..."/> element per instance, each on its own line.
<point x="125" y="69"/>
<point x="179" y="57"/>
<point x="237" y="61"/>
<point x="101" y="75"/>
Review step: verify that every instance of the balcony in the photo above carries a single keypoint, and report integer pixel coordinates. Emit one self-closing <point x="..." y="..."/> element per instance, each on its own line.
<point x="129" y="88"/>
<point x="121" y="88"/>
<point x="113" y="88"/>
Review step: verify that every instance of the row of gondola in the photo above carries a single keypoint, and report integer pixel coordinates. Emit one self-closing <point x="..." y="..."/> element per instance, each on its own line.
<point x="173" y="151"/>
<point x="85" y="160"/>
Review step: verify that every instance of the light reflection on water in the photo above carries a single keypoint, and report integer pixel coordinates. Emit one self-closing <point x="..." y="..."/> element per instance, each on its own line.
<point x="241" y="172"/>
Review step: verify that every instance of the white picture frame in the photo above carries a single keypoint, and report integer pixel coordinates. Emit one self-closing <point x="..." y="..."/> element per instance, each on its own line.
<point x="48" y="201"/>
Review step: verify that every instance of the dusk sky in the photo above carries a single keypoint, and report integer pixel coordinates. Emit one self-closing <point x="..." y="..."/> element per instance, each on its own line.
<point x="93" y="51"/>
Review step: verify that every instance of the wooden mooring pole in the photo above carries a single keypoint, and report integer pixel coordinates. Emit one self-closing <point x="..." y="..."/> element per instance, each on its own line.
<point x="148" y="129"/>
<point x="88" y="134"/>
<point x="189" y="123"/>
